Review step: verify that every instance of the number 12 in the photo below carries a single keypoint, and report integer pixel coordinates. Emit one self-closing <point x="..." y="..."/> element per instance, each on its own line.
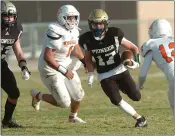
<point x="164" y="54"/>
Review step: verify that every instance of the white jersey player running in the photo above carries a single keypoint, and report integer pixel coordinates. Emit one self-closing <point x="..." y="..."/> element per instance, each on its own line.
<point x="160" y="49"/>
<point x="57" y="71"/>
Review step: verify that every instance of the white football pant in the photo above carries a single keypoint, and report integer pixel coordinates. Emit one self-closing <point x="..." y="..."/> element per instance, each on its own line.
<point x="62" y="89"/>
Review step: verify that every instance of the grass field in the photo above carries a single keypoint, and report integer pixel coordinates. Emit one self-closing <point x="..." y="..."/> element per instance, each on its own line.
<point x="101" y="116"/>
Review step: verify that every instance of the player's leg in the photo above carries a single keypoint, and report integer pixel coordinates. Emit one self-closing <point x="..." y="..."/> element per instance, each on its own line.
<point x="76" y="93"/>
<point x="9" y="85"/>
<point x="171" y="94"/>
<point x="59" y="95"/>
<point x="110" y="88"/>
<point x="127" y="85"/>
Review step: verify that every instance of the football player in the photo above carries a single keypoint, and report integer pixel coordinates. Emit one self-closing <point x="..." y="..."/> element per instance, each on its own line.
<point x="56" y="70"/>
<point x="102" y="43"/>
<point x="11" y="31"/>
<point x="160" y="49"/>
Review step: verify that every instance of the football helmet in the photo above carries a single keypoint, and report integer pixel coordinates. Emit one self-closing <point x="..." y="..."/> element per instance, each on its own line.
<point x="7" y="10"/>
<point x="98" y="16"/>
<point x="160" y="28"/>
<point x="68" y="16"/>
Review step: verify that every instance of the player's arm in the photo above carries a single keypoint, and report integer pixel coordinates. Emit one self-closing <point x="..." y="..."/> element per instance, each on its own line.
<point x="89" y="62"/>
<point x="145" y="68"/>
<point x="53" y="43"/>
<point x="77" y="51"/>
<point x="88" y="59"/>
<point x="131" y="46"/>
<point x="90" y="67"/>
<point x="18" y="51"/>
<point x="128" y="44"/>
<point x="49" y="58"/>
<point x="21" y="60"/>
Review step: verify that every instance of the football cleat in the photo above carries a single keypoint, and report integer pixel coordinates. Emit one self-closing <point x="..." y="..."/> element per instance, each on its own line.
<point x="141" y="122"/>
<point x="10" y="124"/>
<point x="75" y="119"/>
<point x="35" y="101"/>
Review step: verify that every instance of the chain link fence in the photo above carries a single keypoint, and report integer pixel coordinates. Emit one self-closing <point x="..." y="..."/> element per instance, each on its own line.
<point x="32" y="39"/>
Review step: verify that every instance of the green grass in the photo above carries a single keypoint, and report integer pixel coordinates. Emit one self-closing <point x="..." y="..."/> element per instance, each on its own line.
<point x="102" y="117"/>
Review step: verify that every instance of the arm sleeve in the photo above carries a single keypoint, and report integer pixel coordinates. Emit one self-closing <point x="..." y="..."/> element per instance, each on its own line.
<point x="145" y="68"/>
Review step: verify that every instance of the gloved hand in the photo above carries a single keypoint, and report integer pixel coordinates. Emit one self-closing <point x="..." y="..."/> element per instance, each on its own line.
<point x="25" y="73"/>
<point x="90" y="78"/>
<point x="135" y="65"/>
<point x="136" y="62"/>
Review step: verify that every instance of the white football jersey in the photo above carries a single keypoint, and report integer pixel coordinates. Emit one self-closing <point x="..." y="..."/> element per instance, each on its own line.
<point x="62" y="41"/>
<point x="163" y="54"/>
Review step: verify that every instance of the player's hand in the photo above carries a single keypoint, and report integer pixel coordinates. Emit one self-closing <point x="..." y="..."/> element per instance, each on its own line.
<point x="69" y="75"/>
<point x="25" y="73"/>
<point x="90" y="78"/>
<point x="134" y="66"/>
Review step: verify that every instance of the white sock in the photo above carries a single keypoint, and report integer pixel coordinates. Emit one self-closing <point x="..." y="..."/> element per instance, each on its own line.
<point x="73" y="114"/>
<point x="127" y="108"/>
<point x="139" y="117"/>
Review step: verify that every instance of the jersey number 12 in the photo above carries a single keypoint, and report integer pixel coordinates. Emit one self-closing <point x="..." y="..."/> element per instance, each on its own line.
<point x="164" y="54"/>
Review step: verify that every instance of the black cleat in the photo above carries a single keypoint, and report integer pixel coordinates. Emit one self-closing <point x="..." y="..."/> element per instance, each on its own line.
<point x="141" y="122"/>
<point x="10" y="124"/>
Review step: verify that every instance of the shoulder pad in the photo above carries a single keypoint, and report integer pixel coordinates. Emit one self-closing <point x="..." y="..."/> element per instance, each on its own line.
<point x="116" y="31"/>
<point x="146" y="47"/>
<point x="56" y="28"/>
<point x="84" y="38"/>
<point x="19" y="27"/>
<point x="55" y="31"/>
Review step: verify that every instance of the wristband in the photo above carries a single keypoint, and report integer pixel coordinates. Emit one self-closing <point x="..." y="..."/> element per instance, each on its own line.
<point x="22" y="64"/>
<point x="83" y="61"/>
<point x="62" y="69"/>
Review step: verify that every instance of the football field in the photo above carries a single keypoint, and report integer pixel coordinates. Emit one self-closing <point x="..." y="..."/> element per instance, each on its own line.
<point x="101" y="116"/>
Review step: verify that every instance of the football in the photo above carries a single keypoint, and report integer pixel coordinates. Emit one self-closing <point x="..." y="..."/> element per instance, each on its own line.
<point x="126" y="57"/>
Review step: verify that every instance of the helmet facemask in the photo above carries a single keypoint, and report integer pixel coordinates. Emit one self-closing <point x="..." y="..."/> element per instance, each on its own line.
<point x="71" y="21"/>
<point x="98" y="28"/>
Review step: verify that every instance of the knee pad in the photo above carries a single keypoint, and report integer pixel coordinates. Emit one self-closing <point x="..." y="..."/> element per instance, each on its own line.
<point x="75" y="89"/>
<point x="79" y="95"/>
<point x="136" y="96"/>
<point x="64" y="104"/>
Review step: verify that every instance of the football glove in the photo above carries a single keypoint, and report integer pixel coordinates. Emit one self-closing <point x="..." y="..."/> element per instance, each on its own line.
<point x="136" y="62"/>
<point x="25" y="73"/>
<point x="134" y="66"/>
<point x="90" y="78"/>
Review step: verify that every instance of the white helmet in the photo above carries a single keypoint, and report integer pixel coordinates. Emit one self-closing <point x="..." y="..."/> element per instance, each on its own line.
<point x="64" y="12"/>
<point x="160" y="28"/>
